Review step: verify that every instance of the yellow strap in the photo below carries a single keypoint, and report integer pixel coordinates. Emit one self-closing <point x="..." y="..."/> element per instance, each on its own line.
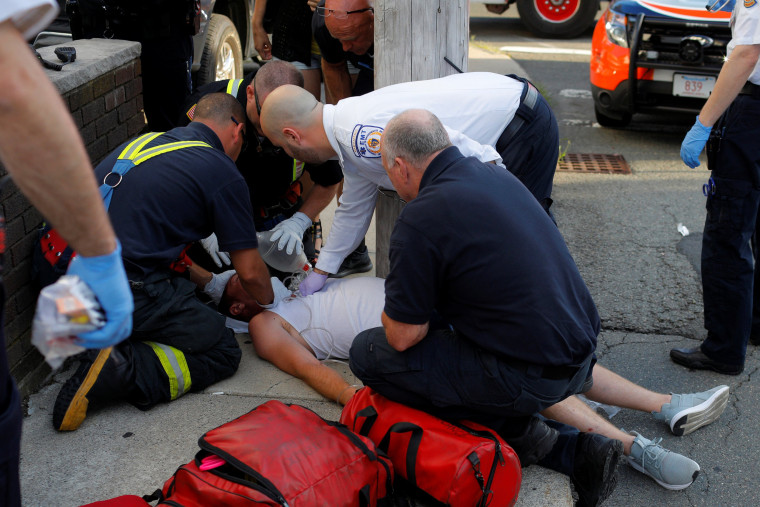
<point x="233" y="85"/>
<point x="175" y="365"/>
<point x="140" y="157"/>
<point x="138" y="144"/>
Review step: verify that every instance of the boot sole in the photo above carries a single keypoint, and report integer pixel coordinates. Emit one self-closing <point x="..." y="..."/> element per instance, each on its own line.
<point x="693" y="418"/>
<point x="77" y="407"/>
<point x="610" y="472"/>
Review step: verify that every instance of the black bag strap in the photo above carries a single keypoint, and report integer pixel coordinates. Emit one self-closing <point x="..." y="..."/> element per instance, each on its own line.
<point x="412" y="449"/>
<point x="370" y="416"/>
<point x="497" y="461"/>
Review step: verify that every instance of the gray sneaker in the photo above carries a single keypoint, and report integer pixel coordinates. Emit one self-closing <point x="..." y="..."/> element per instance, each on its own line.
<point x="671" y="470"/>
<point x="688" y="412"/>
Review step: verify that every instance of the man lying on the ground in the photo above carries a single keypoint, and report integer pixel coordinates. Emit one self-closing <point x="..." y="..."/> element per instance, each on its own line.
<point x="299" y="333"/>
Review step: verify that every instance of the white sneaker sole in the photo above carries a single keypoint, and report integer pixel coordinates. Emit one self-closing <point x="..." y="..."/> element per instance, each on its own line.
<point x="693" y="418"/>
<point x="672" y="487"/>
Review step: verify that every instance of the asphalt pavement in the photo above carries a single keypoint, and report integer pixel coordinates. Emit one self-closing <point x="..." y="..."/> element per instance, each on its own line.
<point x="622" y="231"/>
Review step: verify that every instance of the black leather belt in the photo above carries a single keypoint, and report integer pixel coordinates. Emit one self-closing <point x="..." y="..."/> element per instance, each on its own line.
<point x="528" y="100"/>
<point x="751" y="89"/>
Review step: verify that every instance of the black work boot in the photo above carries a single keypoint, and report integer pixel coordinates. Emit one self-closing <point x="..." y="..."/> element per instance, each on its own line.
<point x="534" y="443"/>
<point x="595" y="469"/>
<point x="357" y="261"/>
<point x="103" y="375"/>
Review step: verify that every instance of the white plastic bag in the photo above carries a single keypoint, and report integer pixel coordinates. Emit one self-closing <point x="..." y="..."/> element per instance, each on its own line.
<point x="64" y="309"/>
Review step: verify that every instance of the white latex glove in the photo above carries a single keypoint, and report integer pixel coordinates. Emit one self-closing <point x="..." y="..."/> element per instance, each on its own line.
<point x="211" y="245"/>
<point x="215" y="288"/>
<point x="280" y="292"/>
<point x="290" y="233"/>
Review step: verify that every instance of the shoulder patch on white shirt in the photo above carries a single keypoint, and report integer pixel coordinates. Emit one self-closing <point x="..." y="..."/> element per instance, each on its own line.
<point x="749" y="3"/>
<point x="365" y="141"/>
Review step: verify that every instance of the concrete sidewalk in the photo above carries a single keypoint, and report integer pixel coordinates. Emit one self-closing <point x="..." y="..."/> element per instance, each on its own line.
<point x="120" y="450"/>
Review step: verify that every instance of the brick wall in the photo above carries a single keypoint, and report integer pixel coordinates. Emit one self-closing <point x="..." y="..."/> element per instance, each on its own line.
<point x="103" y="90"/>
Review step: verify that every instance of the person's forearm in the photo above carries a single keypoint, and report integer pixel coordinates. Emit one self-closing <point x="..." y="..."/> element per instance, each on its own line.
<point x="337" y="81"/>
<point x="31" y="108"/>
<point x="198" y="275"/>
<point x="400" y="335"/>
<point x="318" y="199"/>
<point x="254" y="275"/>
<point x="260" y="36"/>
<point x="730" y="81"/>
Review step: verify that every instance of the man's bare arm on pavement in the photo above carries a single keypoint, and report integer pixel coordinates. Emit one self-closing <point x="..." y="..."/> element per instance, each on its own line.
<point x="276" y="341"/>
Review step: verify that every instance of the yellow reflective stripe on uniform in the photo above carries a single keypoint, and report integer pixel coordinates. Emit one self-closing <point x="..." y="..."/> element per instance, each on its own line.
<point x="137" y="144"/>
<point x="175" y="365"/>
<point x="139" y="158"/>
<point x="233" y="85"/>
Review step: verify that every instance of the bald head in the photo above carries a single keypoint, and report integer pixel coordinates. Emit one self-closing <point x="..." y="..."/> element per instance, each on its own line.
<point x="356" y="32"/>
<point x="414" y="135"/>
<point x="289" y="107"/>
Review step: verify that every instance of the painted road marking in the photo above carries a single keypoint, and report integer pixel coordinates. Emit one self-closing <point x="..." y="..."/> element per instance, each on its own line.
<point x="550" y="51"/>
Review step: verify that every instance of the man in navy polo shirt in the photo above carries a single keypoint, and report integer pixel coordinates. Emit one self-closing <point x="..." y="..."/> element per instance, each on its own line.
<point x="486" y="316"/>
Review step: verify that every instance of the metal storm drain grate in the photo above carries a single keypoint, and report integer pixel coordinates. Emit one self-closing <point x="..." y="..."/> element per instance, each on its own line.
<point x="593" y="163"/>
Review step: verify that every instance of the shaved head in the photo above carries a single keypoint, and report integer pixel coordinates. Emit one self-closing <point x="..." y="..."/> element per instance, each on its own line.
<point x="288" y="106"/>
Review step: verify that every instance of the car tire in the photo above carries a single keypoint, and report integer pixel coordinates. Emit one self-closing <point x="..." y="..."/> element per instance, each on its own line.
<point x="610" y="121"/>
<point x="559" y="19"/>
<point x="222" y="56"/>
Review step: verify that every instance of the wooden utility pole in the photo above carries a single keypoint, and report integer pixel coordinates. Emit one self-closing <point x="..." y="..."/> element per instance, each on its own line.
<point x="413" y="41"/>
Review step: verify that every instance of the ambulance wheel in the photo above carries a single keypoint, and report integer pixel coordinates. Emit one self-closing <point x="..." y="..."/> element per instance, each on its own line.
<point x="559" y="19"/>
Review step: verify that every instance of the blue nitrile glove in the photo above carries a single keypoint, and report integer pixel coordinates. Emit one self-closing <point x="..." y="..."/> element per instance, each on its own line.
<point x="290" y="233"/>
<point x="211" y="245"/>
<point x="105" y="275"/>
<point x="280" y="292"/>
<point x="694" y="143"/>
<point x="312" y="283"/>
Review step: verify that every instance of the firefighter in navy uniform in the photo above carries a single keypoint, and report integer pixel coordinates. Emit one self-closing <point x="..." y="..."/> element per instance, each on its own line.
<point x="274" y="179"/>
<point x="165" y="28"/>
<point x="182" y="185"/>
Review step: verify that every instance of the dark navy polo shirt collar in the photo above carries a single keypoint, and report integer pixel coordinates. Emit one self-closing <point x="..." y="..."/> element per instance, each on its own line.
<point x="197" y="131"/>
<point x="439" y="164"/>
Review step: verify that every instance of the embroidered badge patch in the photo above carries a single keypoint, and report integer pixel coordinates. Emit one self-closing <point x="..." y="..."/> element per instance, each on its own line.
<point x="365" y="141"/>
<point x="749" y="3"/>
<point x="191" y="112"/>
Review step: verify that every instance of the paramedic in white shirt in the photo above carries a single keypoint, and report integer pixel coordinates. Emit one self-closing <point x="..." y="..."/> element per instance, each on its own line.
<point x="494" y="118"/>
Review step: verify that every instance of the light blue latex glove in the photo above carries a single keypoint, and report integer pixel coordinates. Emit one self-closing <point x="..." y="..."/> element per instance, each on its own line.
<point x="106" y="277"/>
<point x="280" y="292"/>
<point x="312" y="283"/>
<point x="290" y="233"/>
<point x="211" y="245"/>
<point x="694" y="143"/>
